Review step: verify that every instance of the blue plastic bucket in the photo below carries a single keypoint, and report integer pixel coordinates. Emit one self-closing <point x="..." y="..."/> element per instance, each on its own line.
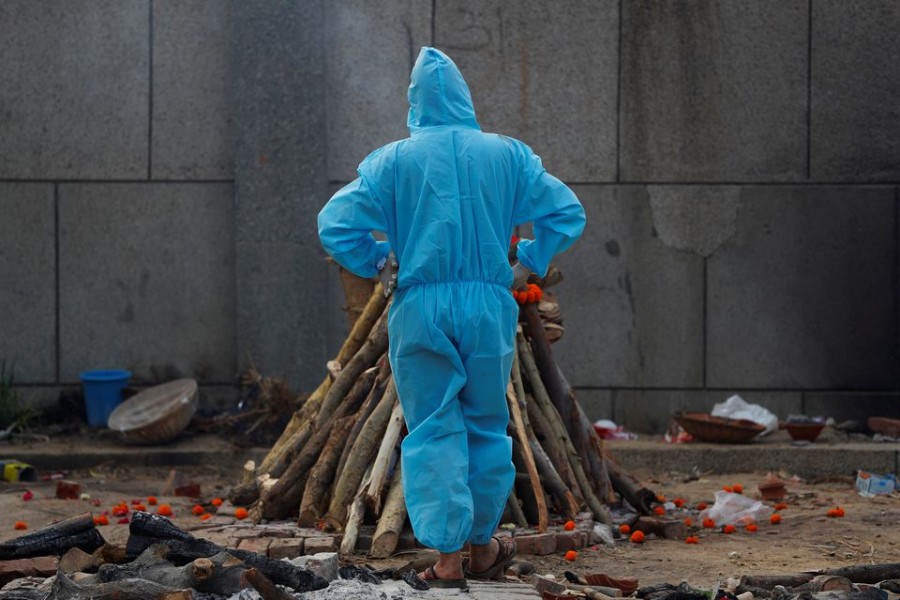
<point x="103" y="393"/>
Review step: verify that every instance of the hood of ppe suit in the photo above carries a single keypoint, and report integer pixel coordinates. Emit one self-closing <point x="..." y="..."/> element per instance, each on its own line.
<point x="438" y="94"/>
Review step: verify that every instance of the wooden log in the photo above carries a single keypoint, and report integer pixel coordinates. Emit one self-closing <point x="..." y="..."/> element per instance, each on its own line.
<point x="382" y="462"/>
<point x="146" y="529"/>
<point x="387" y="531"/>
<point x="283" y="498"/>
<point x="218" y="574"/>
<point x="375" y="345"/>
<point x="581" y="431"/>
<point x="868" y="573"/>
<point x="528" y="458"/>
<point x="768" y="582"/>
<point x="355" y="516"/>
<point x="266" y="588"/>
<point x="365" y="411"/>
<point x="553" y="446"/>
<point x="552" y="482"/>
<point x="516" y="509"/>
<point x="126" y="589"/>
<point x="349" y="348"/>
<point x="826" y="583"/>
<point x="312" y="504"/>
<point x="546" y="405"/>
<point x="55" y="539"/>
<point x="629" y="488"/>
<point x="360" y="457"/>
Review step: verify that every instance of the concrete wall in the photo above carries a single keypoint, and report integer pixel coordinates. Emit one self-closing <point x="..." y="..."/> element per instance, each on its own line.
<point x="162" y="162"/>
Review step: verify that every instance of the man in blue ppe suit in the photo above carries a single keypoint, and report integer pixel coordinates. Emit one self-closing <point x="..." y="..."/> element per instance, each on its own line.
<point x="448" y="198"/>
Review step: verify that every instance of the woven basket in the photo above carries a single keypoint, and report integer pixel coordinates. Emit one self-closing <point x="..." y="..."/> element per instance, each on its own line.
<point x="708" y="428"/>
<point x="157" y="414"/>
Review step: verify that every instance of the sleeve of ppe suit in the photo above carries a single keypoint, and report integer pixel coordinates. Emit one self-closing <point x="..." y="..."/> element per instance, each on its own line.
<point x="555" y="212"/>
<point x="345" y="229"/>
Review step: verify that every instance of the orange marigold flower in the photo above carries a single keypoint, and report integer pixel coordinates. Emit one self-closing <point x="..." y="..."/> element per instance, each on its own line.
<point x="781" y="506"/>
<point x="701" y="506"/>
<point x="839" y="512"/>
<point x="689" y="522"/>
<point x="241" y="513"/>
<point x="198" y="510"/>
<point x="692" y="539"/>
<point x="738" y="488"/>
<point x="637" y="537"/>
<point x="728" y="488"/>
<point x="205" y="516"/>
<point x="775" y="519"/>
<point x="151" y="500"/>
<point x="709" y="523"/>
<point x="752" y="527"/>
<point x="20" y="525"/>
<point x="659" y="510"/>
<point x="571" y="555"/>
<point x="624" y="529"/>
<point x="569" y="526"/>
<point x="661" y="499"/>
<point x="729" y="529"/>
<point x="679" y="502"/>
<point x="164" y="510"/>
<point x="216" y="502"/>
<point x="101" y="520"/>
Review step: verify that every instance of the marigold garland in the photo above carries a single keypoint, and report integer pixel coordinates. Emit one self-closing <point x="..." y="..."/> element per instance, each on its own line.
<point x="531" y="294"/>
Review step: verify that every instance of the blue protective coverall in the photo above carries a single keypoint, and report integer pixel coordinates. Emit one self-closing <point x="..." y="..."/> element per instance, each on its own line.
<point x="448" y="198"/>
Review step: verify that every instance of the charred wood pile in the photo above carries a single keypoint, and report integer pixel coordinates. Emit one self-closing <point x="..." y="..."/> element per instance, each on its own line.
<point x="336" y="467"/>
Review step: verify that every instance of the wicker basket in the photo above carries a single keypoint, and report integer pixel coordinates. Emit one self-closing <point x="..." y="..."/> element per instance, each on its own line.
<point x="708" y="428"/>
<point x="157" y="414"/>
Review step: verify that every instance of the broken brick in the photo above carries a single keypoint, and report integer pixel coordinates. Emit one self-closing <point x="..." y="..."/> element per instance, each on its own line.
<point x="258" y="545"/>
<point x="539" y="544"/>
<point x="286" y="548"/>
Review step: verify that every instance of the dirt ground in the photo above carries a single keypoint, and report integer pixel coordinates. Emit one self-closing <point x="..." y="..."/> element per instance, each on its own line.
<point x="806" y="539"/>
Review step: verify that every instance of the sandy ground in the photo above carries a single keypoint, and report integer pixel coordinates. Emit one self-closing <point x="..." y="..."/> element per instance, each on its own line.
<point x="806" y="539"/>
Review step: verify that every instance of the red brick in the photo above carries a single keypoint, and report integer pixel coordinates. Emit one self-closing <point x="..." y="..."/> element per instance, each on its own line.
<point x="321" y="544"/>
<point x="538" y="544"/>
<point x="569" y="540"/>
<point x="286" y="548"/>
<point x="42" y="566"/>
<point x="258" y="545"/>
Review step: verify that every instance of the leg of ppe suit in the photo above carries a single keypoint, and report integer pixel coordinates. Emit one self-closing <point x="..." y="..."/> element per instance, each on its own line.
<point x="487" y="350"/>
<point x="429" y="375"/>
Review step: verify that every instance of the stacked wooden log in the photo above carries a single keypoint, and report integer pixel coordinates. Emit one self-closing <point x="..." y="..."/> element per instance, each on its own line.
<point x="336" y="463"/>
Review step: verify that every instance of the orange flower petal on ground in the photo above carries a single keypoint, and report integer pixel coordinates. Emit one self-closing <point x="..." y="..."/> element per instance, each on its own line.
<point x="216" y="502"/>
<point x="571" y="555"/>
<point x="738" y="488"/>
<point x="752" y="527"/>
<point x="140" y="507"/>
<point x="775" y="519"/>
<point x="659" y="510"/>
<point x="728" y="488"/>
<point x="637" y="537"/>
<point x="198" y="510"/>
<point x="624" y="529"/>
<point x="206" y="516"/>
<point x="241" y="513"/>
<point x="101" y="520"/>
<point x="729" y="529"/>
<point x="679" y="502"/>
<point x="151" y="500"/>
<point x="164" y="510"/>
<point x="709" y="524"/>
<point x="692" y="539"/>
<point x="781" y="506"/>
<point x="20" y="525"/>
<point x="569" y="526"/>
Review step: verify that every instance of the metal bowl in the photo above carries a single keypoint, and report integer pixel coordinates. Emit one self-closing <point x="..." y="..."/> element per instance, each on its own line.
<point x="157" y="414"/>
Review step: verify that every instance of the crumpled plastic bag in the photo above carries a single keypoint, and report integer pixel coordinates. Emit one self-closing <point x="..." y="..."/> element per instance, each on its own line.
<point x="732" y="509"/>
<point x="738" y="408"/>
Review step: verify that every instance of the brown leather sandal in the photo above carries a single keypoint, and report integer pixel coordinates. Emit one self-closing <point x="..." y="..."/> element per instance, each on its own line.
<point x="430" y="577"/>
<point x="506" y="552"/>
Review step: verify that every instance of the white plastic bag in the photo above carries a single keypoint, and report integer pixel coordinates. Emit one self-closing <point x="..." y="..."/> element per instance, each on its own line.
<point x="731" y="509"/>
<point x="737" y="408"/>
